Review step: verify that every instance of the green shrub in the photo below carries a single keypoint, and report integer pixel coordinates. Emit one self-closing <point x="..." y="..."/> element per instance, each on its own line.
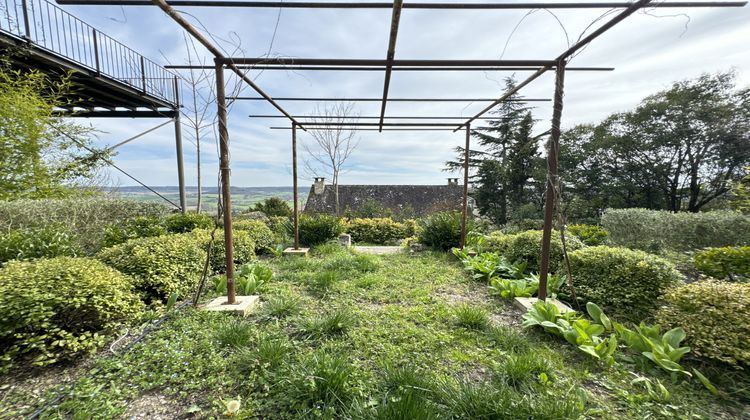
<point x="274" y="206"/>
<point x="160" y="265"/>
<point x="714" y="316"/>
<point x="138" y="227"/>
<point x="87" y="217"/>
<point x="53" y="240"/>
<point x="442" y="230"/>
<point x="591" y="235"/>
<point x="243" y="244"/>
<point x="653" y="230"/>
<point x="55" y="309"/>
<point x="527" y="247"/>
<point x="258" y="231"/>
<point x="316" y="230"/>
<point x="626" y="283"/>
<point x="188" y="222"/>
<point x="376" y="231"/>
<point x="731" y="263"/>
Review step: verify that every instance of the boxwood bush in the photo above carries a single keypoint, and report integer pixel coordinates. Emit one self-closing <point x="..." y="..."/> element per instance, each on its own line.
<point x="258" y="231"/>
<point x="527" y="246"/>
<point x="160" y="265"/>
<point x="626" y="283"/>
<point x="52" y="240"/>
<point x="591" y="235"/>
<point x="244" y="247"/>
<point x="378" y="230"/>
<point x="714" y="316"/>
<point x="137" y="227"/>
<point x="316" y="230"/>
<point x="653" y="230"/>
<point x="442" y="230"/>
<point x="187" y="222"/>
<point x="731" y="263"/>
<point x="55" y="309"/>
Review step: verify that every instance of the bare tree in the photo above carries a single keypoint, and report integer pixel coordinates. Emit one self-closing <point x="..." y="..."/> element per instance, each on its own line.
<point x="333" y="143"/>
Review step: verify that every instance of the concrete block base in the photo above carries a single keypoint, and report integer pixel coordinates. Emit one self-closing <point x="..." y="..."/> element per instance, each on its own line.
<point x="244" y="305"/>
<point x="525" y="303"/>
<point x="291" y="252"/>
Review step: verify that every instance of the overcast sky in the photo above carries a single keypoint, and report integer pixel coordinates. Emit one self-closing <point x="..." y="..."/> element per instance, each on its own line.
<point x="649" y="51"/>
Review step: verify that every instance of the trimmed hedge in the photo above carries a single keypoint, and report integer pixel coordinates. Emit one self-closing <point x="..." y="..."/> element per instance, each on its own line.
<point x="442" y="230"/>
<point x="379" y="230"/>
<point x="653" y="230"/>
<point x="527" y="246"/>
<point x="714" y="316"/>
<point x="138" y="227"/>
<point x="732" y="263"/>
<point x="53" y="240"/>
<point x="590" y="235"/>
<point x="55" y="309"/>
<point x="188" y="222"/>
<point x="258" y="231"/>
<point x="316" y="230"/>
<point x="244" y="247"/>
<point x="627" y="283"/>
<point x="160" y="265"/>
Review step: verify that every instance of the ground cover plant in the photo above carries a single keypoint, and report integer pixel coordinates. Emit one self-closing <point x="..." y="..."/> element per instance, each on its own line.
<point x="394" y="336"/>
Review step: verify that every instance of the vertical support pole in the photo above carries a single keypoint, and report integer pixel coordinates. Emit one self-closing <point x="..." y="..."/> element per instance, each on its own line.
<point x="224" y="169"/>
<point x="553" y="149"/>
<point x="294" y="175"/>
<point x="26" y="25"/>
<point x="96" y="50"/>
<point x="465" y="204"/>
<point x="143" y="74"/>
<point x="178" y="144"/>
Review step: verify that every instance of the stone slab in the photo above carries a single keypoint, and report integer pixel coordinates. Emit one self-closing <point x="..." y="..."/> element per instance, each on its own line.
<point x="244" y="305"/>
<point x="378" y="250"/>
<point x="291" y="252"/>
<point x="525" y="303"/>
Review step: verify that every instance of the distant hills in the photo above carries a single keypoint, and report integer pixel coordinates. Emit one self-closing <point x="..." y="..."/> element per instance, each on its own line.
<point x="242" y="197"/>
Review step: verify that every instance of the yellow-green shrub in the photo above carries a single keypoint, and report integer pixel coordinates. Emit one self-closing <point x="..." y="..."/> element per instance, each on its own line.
<point x="188" y="222"/>
<point x="258" y="231"/>
<point x="377" y="230"/>
<point x="591" y="235"/>
<point x="52" y="240"/>
<point x="55" y="309"/>
<point x="626" y="282"/>
<point x="243" y="244"/>
<point x="714" y="316"/>
<point x="731" y="263"/>
<point x="160" y="265"/>
<point x="527" y="246"/>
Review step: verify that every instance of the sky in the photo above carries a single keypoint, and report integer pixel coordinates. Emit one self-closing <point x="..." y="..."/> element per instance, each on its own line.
<point x="649" y="51"/>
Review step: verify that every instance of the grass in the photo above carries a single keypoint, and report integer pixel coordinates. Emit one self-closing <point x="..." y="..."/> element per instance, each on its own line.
<point x="388" y="338"/>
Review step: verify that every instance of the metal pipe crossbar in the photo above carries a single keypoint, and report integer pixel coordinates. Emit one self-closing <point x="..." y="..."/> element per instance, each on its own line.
<point x="323" y="99"/>
<point x="294" y="67"/>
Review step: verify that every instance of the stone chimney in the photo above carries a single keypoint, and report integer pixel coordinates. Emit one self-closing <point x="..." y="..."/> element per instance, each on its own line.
<point x="319" y="185"/>
<point x="452" y="181"/>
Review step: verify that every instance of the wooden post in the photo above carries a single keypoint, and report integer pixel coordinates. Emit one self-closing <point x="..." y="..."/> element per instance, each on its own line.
<point x="553" y="149"/>
<point x="465" y="205"/>
<point x="224" y="169"/>
<point x="294" y="174"/>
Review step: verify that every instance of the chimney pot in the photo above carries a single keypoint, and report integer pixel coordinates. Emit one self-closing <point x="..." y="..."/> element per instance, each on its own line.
<point x="319" y="185"/>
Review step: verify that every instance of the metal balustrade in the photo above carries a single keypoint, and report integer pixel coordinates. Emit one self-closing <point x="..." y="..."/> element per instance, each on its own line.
<point x="53" y="29"/>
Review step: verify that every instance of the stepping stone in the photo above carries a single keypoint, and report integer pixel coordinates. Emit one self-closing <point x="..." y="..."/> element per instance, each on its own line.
<point x="244" y="305"/>
<point x="291" y="252"/>
<point x="525" y="303"/>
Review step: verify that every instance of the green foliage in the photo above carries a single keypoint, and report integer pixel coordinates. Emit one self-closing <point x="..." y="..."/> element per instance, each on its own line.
<point x="472" y="317"/>
<point x="442" y="231"/>
<point x="626" y="283"/>
<point x="331" y="324"/>
<point x="378" y="230"/>
<point x="273" y="207"/>
<point x="249" y="279"/>
<point x="714" y="317"/>
<point x="137" y="227"/>
<point x="508" y="339"/>
<point x="591" y="235"/>
<point x="527" y="247"/>
<point x="323" y="281"/>
<point x="187" y="222"/>
<point x="740" y="193"/>
<point x="652" y="230"/>
<point x="512" y="288"/>
<point x="282" y="306"/>
<point x="87" y="217"/>
<point x="732" y="263"/>
<point x="522" y="371"/>
<point x="316" y="230"/>
<point x="234" y="333"/>
<point x="242" y="243"/>
<point x="324" y="383"/>
<point x="55" y="309"/>
<point x="160" y="265"/>
<point x="53" y="240"/>
<point x="488" y="265"/>
<point x="258" y="231"/>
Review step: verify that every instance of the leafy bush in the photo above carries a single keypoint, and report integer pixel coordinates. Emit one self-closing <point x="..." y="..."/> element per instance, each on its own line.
<point x="138" y="227"/>
<point x="243" y="244"/>
<point x="627" y="283"/>
<point x="53" y="240"/>
<point x="274" y="206"/>
<point x="731" y="263"/>
<point x="316" y="230"/>
<point x="188" y="222"/>
<point x="55" y="309"/>
<point x="590" y="235"/>
<point x="527" y="247"/>
<point x="258" y="231"/>
<point x="714" y="316"/>
<point x="378" y="231"/>
<point x="442" y="230"/>
<point x="160" y="265"/>
<point x="87" y="217"/>
<point x="653" y="230"/>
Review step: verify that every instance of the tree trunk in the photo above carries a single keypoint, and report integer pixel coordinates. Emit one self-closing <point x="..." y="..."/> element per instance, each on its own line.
<point x="198" y="163"/>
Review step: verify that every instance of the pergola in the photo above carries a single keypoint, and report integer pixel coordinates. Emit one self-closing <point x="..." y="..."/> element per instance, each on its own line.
<point x="383" y="122"/>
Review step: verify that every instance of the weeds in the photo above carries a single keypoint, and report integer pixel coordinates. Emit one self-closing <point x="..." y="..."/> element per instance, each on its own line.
<point x="472" y="317"/>
<point x="282" y="306"/>
<point x="337" y="322"/>
<point x="234" y="333"/>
